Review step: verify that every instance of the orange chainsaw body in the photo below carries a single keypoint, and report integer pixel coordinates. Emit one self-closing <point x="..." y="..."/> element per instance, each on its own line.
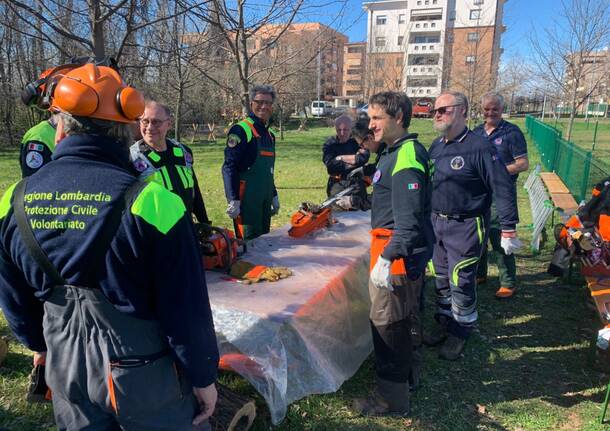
<point x="304" y="222"/>
<point x="218" y="253"/>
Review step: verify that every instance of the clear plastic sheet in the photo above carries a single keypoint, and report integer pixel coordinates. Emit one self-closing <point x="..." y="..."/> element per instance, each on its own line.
<point x="308" y="333"/>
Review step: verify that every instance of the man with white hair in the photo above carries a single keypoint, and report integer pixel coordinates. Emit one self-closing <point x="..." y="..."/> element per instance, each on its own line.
<point x="511" y="147"/>
<point x="341" y="154"/>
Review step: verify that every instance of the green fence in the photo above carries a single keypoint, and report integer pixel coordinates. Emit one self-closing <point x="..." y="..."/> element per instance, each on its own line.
<point x="577" y="168"/>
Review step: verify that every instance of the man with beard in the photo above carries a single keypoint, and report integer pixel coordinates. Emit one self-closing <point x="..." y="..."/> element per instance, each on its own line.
<point x="467" y="174"/>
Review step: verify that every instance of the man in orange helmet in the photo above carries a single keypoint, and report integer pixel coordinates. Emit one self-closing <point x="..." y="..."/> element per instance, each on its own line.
<point x="127" y="346"/>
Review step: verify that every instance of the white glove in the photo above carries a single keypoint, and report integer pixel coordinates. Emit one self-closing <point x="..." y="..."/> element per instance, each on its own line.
<point x="233" y="209"/>
<point x="275" y="205"/>
<point x="344" y="202"/>
<point x="510" y="244"/>
<point x="380" y="275"/>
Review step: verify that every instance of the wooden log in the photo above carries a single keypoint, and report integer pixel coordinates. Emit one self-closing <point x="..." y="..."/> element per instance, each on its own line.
<point x="234" y="412"/>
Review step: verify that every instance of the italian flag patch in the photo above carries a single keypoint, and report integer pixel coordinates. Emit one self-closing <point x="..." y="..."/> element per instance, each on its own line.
<point x="35" y="147"/>
<point x="413" y="186"/>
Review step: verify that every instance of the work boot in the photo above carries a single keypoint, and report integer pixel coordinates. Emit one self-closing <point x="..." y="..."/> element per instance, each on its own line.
<point x="505" y="292"/>
<point x="388" y="399"/>
<point x="435" y="336"/>
<point x="3" y="350"/>
<point x="38" y="391"/>
<point x="452" y="348"/>
<point x="417" y="359"/>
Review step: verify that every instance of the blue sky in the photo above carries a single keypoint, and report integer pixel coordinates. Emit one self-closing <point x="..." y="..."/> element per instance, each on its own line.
<point x="520" y="16"/>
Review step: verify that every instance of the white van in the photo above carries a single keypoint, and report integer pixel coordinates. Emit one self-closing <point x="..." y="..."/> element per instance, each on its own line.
<point x="320" y="108"/>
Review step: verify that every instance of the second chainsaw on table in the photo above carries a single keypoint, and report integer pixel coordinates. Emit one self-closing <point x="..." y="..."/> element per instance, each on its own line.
<point x="311" y="217"/>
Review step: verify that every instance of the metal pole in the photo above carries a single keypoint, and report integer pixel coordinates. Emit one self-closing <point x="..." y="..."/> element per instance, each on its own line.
<point x="594" y="136"/>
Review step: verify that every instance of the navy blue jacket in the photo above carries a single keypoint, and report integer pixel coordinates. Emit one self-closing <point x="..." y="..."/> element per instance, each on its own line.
<point x="152" y="269"/>
<point x="508" y="140"/>
<point x="467" y="173"/>
<point x="333" y="148"/>
<point x="401" y="202"/>
<point x="241" y="154"/>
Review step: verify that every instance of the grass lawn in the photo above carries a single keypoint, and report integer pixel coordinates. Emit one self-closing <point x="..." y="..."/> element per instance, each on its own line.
<point x="526" y="368"/>
<point x="582" y="134"/>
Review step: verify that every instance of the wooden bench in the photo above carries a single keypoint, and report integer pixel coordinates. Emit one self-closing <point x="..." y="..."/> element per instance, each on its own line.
<point x="559" y="193"/>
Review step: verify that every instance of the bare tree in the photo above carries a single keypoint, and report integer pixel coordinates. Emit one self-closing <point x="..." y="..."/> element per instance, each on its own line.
<point x="565" y="52"/>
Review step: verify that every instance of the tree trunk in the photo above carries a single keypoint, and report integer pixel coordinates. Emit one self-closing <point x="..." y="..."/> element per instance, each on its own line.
<point x="97" y="29"/>
<point x="572" y="110"/>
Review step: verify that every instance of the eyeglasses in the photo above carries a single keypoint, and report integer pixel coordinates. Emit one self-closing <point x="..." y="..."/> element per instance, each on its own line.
<point x="443" y="110"/>
<point x="262" y="102"/>
<point x="154" y="122"/>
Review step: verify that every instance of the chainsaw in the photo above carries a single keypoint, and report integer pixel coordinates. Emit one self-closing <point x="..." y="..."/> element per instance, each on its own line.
<point x="311" y="217"/>
<point x="219" y="247"/>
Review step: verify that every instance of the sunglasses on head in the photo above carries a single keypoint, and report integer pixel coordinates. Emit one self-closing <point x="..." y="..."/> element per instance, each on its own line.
<point x="443" y="110"/>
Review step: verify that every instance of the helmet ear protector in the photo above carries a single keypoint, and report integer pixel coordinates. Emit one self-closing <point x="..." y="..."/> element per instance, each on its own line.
<point x="96" y="92"/>
<point x="38" y="93"/>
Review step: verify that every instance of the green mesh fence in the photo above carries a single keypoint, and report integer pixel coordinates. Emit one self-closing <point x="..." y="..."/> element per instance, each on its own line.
<point x="578" y="169"/>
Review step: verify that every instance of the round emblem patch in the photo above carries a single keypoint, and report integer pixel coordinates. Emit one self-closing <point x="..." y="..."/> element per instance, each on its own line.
<point x="457" y="163"/>
<point x="139" y="165"/>
<point x="33" y="159"/>
<point x="377" y="176"/>
<point x="232" y="141"/>
<point x="498" y="141"/>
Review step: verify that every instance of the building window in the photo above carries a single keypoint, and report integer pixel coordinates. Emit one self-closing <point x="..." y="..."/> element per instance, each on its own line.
<point x="354" y="49"/>
<point x="379" y="62"/>
<point x="402" y="18"/>
<point x="425" y="24"/>
<point x="427" y="2"/>
<point x="477" y="2"/>
<point x="428" y="91"/>
<point x="431" y="46"/>
<point x="417" y="25"/>
<point x="452" y="15"/>
<point x="470" y="59"/>
<point x="473" y="37"/>
<point x="450" y="38"/>
<point x="400" y="40"/>
<point x="434" y="1"/>
<point x="415" y="69"/>
<point x="383" y="19"/>
<point x="429" y="69"/>
<point x="418" y="2"/>
<point x="423" y="48"/>
<point x="420" y="91"/>
<point x="416" y="47"/>
<point x="433" y="24"/>
<point x="380" y="41"/>
<point x="475" y="14"/>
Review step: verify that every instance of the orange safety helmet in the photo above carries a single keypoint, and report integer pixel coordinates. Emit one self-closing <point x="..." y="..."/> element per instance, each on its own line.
<point x="35" y="93"/>
<point x="96" y="92"/>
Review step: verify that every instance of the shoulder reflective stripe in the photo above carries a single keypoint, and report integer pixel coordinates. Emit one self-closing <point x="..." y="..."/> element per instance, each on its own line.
<point x="267" y="153"/>
<point x="272" y="131"/>
<point x="246" y="127"/>
<point x="154" y="156"/>
<point x="431" y="268"/>
<point x="407" y="159"/>
<point x="459" y="266"/>
<point x="250" y="124"/>
<point x="158" y="207"/>
<point x="189" y="176"/>
<point x="178" y="152"/>
<point x="5" y="202"/>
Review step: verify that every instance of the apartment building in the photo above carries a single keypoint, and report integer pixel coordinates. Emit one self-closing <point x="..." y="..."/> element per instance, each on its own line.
<point x="314" y="50"/>
<point x="425" y="46"/>
<point x="354" y="68"/>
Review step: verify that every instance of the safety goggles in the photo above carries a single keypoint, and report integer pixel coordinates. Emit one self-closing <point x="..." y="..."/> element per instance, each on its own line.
<point x="443" y="109"/>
